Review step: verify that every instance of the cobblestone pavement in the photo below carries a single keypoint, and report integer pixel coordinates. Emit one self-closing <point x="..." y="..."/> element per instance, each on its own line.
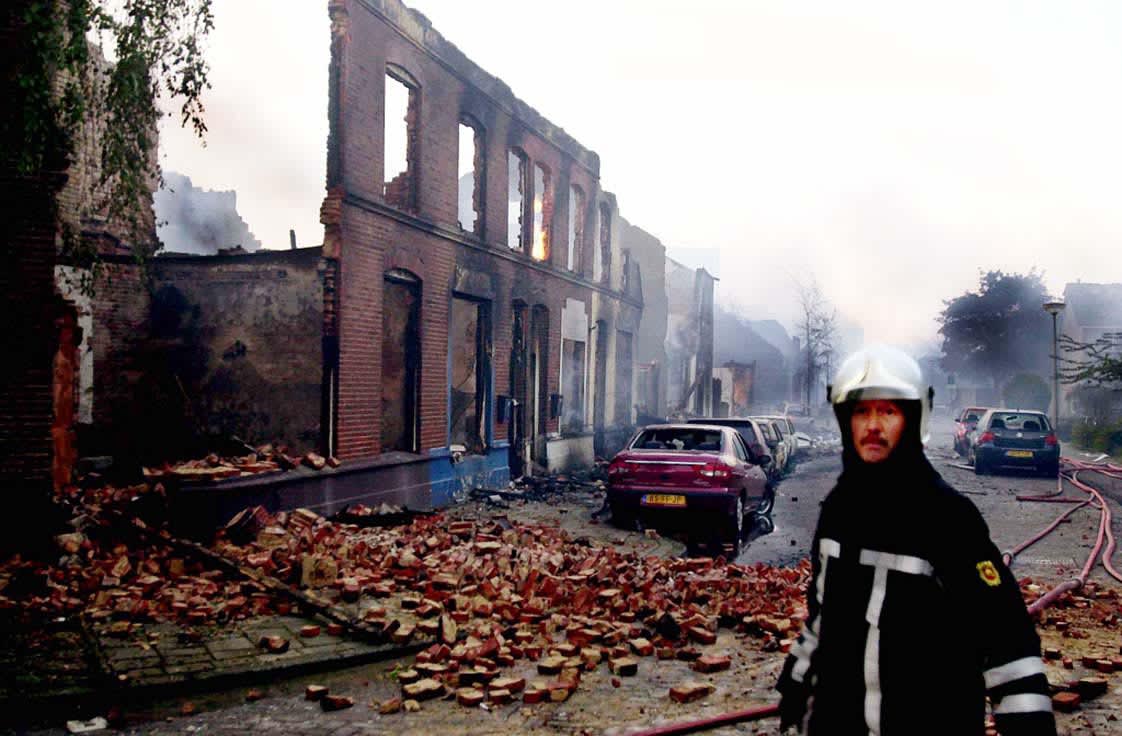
<point x="599" y="708"/>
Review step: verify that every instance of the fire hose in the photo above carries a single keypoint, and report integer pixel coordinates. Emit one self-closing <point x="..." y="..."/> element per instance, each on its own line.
<point x="1105" y="532"/>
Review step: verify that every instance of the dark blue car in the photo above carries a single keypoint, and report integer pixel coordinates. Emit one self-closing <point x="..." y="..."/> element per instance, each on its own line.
<point x="1011" y="438"/>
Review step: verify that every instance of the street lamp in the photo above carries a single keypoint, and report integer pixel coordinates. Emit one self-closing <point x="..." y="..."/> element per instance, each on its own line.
<point x="1054" y="308"/>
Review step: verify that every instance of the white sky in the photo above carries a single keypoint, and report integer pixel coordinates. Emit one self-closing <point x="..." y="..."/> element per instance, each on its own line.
<point x="891" y="149"/>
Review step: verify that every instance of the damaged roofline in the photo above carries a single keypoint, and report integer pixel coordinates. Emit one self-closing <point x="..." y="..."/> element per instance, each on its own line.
<point x="418" y="30"/>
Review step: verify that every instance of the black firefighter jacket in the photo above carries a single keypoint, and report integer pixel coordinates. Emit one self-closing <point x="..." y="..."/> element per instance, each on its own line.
<point x="912" y="619"/>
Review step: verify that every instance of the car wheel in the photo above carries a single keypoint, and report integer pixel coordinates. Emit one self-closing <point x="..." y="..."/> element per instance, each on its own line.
<point x="767" y="504"/>
<point x="979" y="467"/>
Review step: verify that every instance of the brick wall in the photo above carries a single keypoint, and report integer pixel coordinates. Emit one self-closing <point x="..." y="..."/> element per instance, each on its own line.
<point x="242" y="335"/>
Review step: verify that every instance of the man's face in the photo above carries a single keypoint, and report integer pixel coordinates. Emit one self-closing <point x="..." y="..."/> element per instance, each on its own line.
<point x="877" y="426"/>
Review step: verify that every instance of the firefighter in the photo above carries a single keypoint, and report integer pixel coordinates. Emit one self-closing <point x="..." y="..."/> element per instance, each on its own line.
<point x="912" y="617"/>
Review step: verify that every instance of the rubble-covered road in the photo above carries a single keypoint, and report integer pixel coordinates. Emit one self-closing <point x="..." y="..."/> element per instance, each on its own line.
<point x="598" y="667"/>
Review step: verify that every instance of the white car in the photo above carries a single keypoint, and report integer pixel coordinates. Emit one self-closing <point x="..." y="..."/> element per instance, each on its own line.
<point x="778" y="442"/>
<point x="786" y="429"/>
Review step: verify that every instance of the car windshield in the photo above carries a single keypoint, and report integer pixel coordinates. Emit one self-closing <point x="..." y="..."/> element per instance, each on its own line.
<point x="678" y="438"/>
<point x="1020" y="422"/>
<point x="765" y="428"/>
<point x="743" y="428"/>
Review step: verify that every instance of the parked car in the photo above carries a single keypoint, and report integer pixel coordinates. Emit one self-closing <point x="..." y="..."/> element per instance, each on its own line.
<point x="696" y="468"/>
<point x="785" y="430"/>
<point x="1014" y="438"/>
<point x="758" y="451"/>
<point x="964" y="425"/>
<point x="773" y="438"/>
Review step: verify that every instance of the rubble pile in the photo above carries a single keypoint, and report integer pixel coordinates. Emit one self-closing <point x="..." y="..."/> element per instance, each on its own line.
<point x="264" y="459"/>
<point x="111" y="573"/>
<point x="493" y="593"/>
<point x="125" y="584"/>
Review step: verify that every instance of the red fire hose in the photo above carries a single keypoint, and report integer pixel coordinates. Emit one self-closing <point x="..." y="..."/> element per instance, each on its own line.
<point x="1097" y="501"/>
<point x="704" y="724"/>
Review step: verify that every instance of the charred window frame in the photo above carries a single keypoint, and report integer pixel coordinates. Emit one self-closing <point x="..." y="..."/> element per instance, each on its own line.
<point x="543" y="213"/>
<point x="469" y="385"/>
<point x="576" y="228"/>
<point x="401" y="361"/>
<point x="471" y="176"/>
<point x="605" y="251"/>
<point x="517" y="170"/>
<point x="401" y="138"/>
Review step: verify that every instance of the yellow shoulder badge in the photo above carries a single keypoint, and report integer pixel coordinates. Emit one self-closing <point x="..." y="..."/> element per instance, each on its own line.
<point x="987" y="571"/>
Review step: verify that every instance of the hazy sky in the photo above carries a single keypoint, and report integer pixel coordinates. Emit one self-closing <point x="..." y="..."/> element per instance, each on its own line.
<point x="891" y="149"/>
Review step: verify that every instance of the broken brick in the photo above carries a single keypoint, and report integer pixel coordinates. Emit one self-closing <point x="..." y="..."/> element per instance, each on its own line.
<point x="711" y="663"/>
<point x="315" y="692"/>
<point x="469" y="697"/>
<point x="624" y="666"/>
<point x="690" y="691"/>
<point x="335" y="702"/>
<point x="1065" y="702"/>
<point x="424" y="689"/>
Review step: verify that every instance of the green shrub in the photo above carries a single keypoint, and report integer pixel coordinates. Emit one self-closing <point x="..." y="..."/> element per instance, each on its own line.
<point x="1027" y="391"/>
<point x="1099" y="437"/>
<point x="1083" y="434"/>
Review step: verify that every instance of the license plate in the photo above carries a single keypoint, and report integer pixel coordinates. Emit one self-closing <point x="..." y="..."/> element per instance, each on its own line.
<point x="1018" y="453"/>
<point x="662" y="499"/>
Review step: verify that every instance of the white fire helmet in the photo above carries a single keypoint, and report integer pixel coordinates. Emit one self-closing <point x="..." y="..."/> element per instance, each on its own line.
<point x="883" y="372"/>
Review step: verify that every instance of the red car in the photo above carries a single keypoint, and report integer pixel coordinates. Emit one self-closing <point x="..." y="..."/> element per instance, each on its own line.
<point x="701" y="469"/>
<point x="964" y="425"/>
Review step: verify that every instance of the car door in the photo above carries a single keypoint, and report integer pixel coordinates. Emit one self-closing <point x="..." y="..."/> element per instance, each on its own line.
<point x="782" y="438"/>
<point x="752" y="480"/>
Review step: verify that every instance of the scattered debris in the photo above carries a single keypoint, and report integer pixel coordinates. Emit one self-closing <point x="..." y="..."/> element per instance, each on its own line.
<point x="94" y="724"/>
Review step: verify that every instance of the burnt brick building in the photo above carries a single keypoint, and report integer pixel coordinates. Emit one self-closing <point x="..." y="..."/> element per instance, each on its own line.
<point x="479" y="320"/>
<point x="469" y="318"/>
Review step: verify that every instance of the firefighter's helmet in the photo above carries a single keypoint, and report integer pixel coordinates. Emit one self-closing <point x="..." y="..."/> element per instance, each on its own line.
<point x="883" y="372"/>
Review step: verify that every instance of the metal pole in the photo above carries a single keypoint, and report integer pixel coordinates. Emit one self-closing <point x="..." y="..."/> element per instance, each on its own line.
<point x="1055" y="374"/>
<point x="1056" y="391"/>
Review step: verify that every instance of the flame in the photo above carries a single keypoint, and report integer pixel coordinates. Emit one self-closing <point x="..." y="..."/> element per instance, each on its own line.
<point x="538" y="250"/>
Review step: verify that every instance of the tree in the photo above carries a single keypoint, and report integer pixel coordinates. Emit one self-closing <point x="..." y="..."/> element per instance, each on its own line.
<point x="1094" y="364"/>
<point x="998" y="330"/>
<point x="818" y="324"/>
<point x="59" y="87"/>
<point x="1027" y="391"/>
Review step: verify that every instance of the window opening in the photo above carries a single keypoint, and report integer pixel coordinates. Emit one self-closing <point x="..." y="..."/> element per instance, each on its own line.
<point x="470" y="178"/>
<point x="515" y="196"/>
<point x="573" y="369"/>
<point x="605" y="259"/>
<point x="576" y="228"/>
<point x="401" y="362"/>
<point x="400" y="142"/>
<point x="623" y="377"/>
<point x="543" y="213"/>
<point x="469" y="389"/>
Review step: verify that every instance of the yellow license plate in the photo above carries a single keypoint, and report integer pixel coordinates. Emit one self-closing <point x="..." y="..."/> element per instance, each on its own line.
<point x="1018" y="453"/>
<point x="662" y="499"/>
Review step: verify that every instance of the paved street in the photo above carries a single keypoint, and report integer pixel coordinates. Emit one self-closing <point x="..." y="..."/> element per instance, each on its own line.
<point x="598" y="707"/>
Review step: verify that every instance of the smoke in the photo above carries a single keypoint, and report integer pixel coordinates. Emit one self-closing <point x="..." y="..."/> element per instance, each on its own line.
<point x="199" y="221"/>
